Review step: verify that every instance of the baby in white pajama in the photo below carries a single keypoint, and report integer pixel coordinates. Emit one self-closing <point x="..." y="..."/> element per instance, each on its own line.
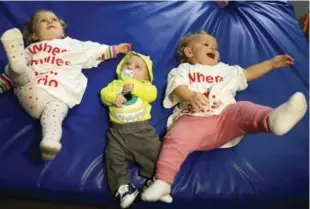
<point x="47" y="75"/>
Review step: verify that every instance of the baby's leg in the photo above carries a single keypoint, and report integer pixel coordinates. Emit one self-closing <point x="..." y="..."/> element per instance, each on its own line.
<point x="185" y="137"/>
<point x="244" y="118"/>
<point x="51" y="121"/>
<point x="251" y="118"/>
<point x="33" y="99"/>
<point x="236" y="120"/>
<point x="17" y="70"/>
<point x="13" y="44"/>
<point x="19" y="80"/>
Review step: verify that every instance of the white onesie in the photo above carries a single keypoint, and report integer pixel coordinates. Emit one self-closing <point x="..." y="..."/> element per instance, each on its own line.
<point x="219" y="83"/>
<point x="57" y="66"/>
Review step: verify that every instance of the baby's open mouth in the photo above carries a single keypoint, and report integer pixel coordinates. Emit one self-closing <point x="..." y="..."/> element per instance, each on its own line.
<point x="211" y="55"/>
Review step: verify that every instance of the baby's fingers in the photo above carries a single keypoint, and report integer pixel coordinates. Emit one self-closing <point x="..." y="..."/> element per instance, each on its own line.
<point x="118" y="104"/>
<point x="289" y="58"/>
<point x="194" y="106"/>
<point x="203" y="101"/>
<point x="123" y="100"/>
<point x="200" y="105"/>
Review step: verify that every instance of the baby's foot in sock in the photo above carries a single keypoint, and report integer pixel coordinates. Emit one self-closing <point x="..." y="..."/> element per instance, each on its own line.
<point x="156" y="191"/>
<point x="13" y="44"/>
<point x="283" y="118"/>
<point x="49" y="148"/>
<point x="166" y="198"/>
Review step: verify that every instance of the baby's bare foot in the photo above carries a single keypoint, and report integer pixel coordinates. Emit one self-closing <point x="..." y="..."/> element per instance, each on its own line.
<point x="13" y="44"/>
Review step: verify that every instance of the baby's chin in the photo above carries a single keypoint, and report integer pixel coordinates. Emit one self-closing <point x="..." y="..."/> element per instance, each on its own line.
<point x="140" y="78"/>
<point x="213" y="63"/>
<point x="53" y="35"/>
<point x="210" y="62"/>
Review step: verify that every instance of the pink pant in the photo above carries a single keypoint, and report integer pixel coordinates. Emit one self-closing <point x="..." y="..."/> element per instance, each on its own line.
<point x="193" y="133"/>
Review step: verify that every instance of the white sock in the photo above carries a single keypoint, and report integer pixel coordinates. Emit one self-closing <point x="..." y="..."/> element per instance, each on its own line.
<point x="166" y="198"/>
<point x="283" y="118"/>
<point x="51" y="122"/>
<point x="13" y="44"/>
<point x="156" y="191"/>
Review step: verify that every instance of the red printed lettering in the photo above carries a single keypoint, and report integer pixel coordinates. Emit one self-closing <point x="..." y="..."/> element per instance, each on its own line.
<point x="46" y="81"/>
<point x="53" y="83"/>
<point x="59" y="62"/>
<point x="47" y="48"/>
<point x="192" y="78"/>
<point x="55" y="51"/>
<point x="209" y="79"/>
<point x="36" y="48"/>
<point x="199" y="77"/>
<point x="51" y="59"/>
<point x="47" y="59"/>
<point x="218" y="79"/>
<point x="43" y="80"/>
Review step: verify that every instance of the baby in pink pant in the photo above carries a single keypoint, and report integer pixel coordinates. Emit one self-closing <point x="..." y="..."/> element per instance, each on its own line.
<point x="207" y="115"/>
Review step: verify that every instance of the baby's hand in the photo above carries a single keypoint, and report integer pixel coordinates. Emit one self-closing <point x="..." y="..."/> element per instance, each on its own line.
<point x="120" y="99"/>
<point x="123" y="48"/>
<point x="127" y="88"/>
<point x="282" y="61"/>
<point x="199" y="101"/>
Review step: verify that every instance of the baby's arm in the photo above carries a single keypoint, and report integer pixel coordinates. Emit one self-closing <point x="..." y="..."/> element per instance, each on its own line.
<point x="197" y="100"/>
<point x="5" y="83"/>
<point x="109" y="93"/>
<point x="184" y="93"/>
<point x="113" y="51"/>
<point x="256" y="71"/>
<point x="177" y="89"/>
<point x="93" y="53"/>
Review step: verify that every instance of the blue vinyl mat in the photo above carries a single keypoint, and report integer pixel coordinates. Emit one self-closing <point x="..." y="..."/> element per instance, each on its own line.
<point x="263" y="171"/>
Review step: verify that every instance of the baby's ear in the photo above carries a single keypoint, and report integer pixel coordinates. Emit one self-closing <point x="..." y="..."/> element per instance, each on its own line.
<point x="188" y="52"/>
<point x="34" y="37"/>
<point x="63" y="24"/>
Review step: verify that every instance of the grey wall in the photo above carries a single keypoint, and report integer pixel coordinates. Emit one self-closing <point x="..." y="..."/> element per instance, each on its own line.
<point x="301" y="8"/>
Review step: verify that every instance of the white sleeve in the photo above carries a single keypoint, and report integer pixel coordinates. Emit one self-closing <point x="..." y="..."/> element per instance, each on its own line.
<point x="239" y="77"/>
<point x="176" y="77"/>
<point x="92" y="53"/>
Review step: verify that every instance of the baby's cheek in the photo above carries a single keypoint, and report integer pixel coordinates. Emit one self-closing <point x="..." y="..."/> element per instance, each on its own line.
<point x="141" y="76"/>
<point x="217" y="56"/>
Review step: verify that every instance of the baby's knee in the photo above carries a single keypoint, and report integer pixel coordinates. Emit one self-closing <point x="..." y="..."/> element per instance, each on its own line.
<point x="33" y="100"/>
<point x="34" y="110"/>
<point x="177" y="136"/>
<point x="244" y="104"/>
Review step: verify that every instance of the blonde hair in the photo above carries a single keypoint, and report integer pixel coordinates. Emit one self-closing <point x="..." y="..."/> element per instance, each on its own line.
<point x="184" y="43"/>
<point x="28" y="26"/>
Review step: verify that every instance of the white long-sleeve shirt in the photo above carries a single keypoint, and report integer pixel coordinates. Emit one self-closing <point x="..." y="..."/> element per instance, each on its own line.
<point x="221" y="80"/>
<point x="57" y="65"/>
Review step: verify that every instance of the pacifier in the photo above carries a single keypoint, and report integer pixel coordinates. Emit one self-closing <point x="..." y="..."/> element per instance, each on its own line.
<point x="127" y="73"/>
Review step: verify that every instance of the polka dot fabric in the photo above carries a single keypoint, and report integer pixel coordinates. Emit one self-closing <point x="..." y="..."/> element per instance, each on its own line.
<point x="51" y="120"/>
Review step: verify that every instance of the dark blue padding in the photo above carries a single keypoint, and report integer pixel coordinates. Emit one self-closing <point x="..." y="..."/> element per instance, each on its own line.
<point x="260" y="171"/>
